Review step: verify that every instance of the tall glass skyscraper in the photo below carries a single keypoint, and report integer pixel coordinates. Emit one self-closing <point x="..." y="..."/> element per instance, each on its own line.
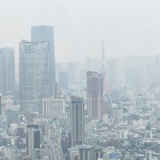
<point x="46" y="33"/>
<point x="35" y="74"/>
<point x="7" y="71"/>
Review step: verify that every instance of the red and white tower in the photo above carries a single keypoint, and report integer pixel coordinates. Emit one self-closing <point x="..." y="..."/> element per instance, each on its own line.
<point x="106" y="88"/>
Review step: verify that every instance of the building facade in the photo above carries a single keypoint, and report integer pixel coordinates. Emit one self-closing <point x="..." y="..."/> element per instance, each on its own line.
<point x="33" y="139"/>
<point x="52" y="107"/>
<point x="77" y="121"/>
<point x="95" y="94"/>
<point x="86" y="152"/>
<point x="117" y="114"/>
<point x="7" y="71"/>
<point x="46" y="33"/>
<point x="35" y="74"/>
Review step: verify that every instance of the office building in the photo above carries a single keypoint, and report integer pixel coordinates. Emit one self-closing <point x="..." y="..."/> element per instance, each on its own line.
<point x="117" y="113"/>
<point x="35" y="75"/>
<point x="46" y="33"/>
<point x="33" y="139"/>
<point x="86" y="152"/>
<point x="77" y="121"/>
<point x="95" y="94"/>
<point x="7" y="71"/>
<point x="53" y="107"/>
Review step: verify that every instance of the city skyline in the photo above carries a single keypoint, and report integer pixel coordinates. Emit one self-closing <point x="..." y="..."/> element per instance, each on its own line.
<point x="65" y="95"/>
<point x="130" y="30"/>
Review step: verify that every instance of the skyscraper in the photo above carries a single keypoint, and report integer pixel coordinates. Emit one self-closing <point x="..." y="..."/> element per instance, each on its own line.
<point x="7" y="71"/>
<point x="35" y="74"/>
<point x="77" y="121"/>
<point x="46" y="33"/>
<point x="95" y="94"/>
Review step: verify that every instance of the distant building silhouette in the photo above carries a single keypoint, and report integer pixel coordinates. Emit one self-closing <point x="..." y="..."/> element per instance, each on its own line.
<point x="63" y="79"/>
<point x="71" y="68"/>
<point x="7" y="71"/>
<point x="46" y="33"/>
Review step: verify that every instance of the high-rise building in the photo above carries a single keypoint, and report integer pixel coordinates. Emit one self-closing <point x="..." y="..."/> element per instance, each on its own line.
<point x="86" y="152"/>
<point x="77" y="121"/>
<point x="35" y="74"/>
<point x="46" y="33"/>
<point x="7" y="71"/>
<point x="33" y="139"/>
<point x="95" y="94"/>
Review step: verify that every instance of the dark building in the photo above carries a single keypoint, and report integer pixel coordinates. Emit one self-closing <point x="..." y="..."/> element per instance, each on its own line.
<point x="21" y="135"/>
<point x="95" y="94"/>
<point x="77" y="121"/>
<point x="98" y="151"/>
<point x="86" y="152"/>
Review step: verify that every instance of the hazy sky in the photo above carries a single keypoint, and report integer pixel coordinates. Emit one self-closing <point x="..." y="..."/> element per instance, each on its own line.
<point x="130" y="26"/>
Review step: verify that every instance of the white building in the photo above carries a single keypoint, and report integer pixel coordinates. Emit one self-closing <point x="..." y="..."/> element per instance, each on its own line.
<point x="8" y="154"/>
<point x="53" y="107"/>
<point x="3" y="119"/>
<point x="13" y="127"/>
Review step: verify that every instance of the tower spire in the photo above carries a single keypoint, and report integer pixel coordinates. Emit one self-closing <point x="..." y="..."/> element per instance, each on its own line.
<point x="103" y="70"/>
